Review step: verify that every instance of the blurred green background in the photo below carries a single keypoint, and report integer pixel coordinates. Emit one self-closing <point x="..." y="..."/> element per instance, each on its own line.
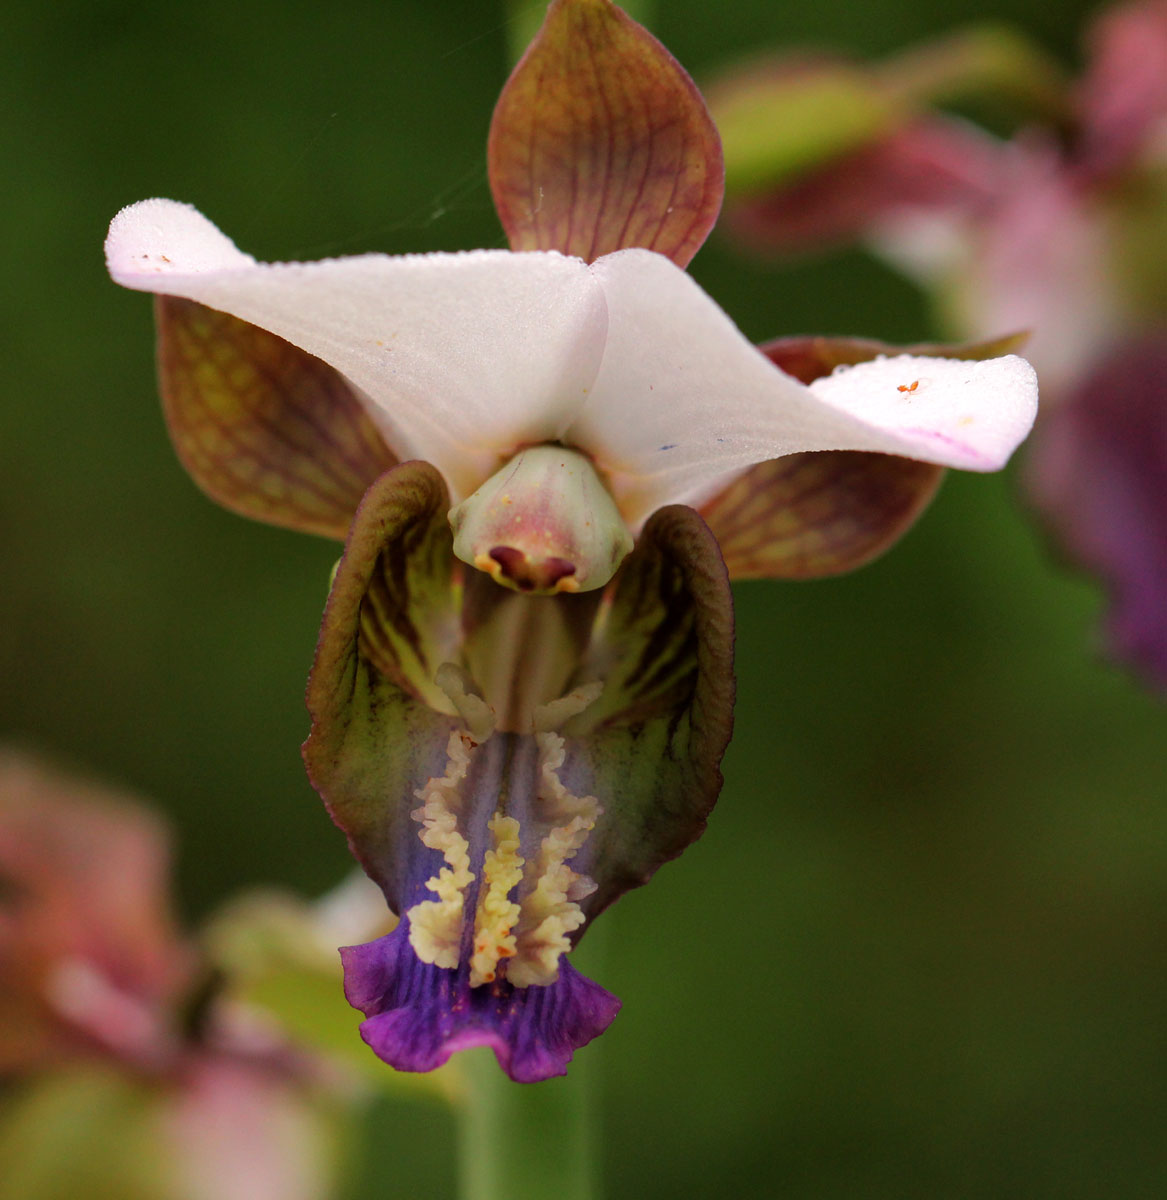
<point x="919" y="952"/>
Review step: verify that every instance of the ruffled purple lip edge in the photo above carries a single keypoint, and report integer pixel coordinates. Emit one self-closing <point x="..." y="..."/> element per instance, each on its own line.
<point x="418" y="1015"/>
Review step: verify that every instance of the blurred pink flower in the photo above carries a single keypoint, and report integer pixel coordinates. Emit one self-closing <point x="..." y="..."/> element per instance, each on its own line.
<point x="89" y="956"/>
<point x="1059" y="231"/>
<point x="102" y="1004"/>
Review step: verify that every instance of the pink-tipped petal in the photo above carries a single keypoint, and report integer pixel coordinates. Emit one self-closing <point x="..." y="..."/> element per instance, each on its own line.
<point x="460" y="357"/>
<point x="830" y="511"/>
<point x="601" y="141"/>
<point x="683" y="400"/>
<point x="950" y="411"/>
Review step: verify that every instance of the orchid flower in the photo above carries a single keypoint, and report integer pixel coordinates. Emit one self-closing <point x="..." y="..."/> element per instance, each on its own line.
<point x="547" y="462"/>
<point x="1058" y="230"/>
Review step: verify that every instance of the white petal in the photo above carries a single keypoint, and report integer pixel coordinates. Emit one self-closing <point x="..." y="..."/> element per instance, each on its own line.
<point x="953" y="411"/>
<point x="460" y="356"/>
<point x="682" y="399"/>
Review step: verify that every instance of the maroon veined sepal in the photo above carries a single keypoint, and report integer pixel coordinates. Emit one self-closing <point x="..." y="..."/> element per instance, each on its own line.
<point x="263" y="427"/>
<point x="600" y="141"/>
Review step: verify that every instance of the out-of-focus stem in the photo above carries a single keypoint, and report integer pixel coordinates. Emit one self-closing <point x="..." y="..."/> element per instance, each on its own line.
<point x="528" y="1140"/>
<point x="985" y="60"/>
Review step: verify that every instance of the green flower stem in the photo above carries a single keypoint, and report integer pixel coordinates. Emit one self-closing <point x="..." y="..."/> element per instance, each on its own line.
<point x="529" y="1140"/>
<point x="532" y="1141"/>
<point x="525" y="16"/>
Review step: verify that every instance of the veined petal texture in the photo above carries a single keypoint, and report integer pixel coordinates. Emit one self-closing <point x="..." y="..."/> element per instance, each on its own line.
<point x="264" y="428"/>
<point x="601" y="141"/>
